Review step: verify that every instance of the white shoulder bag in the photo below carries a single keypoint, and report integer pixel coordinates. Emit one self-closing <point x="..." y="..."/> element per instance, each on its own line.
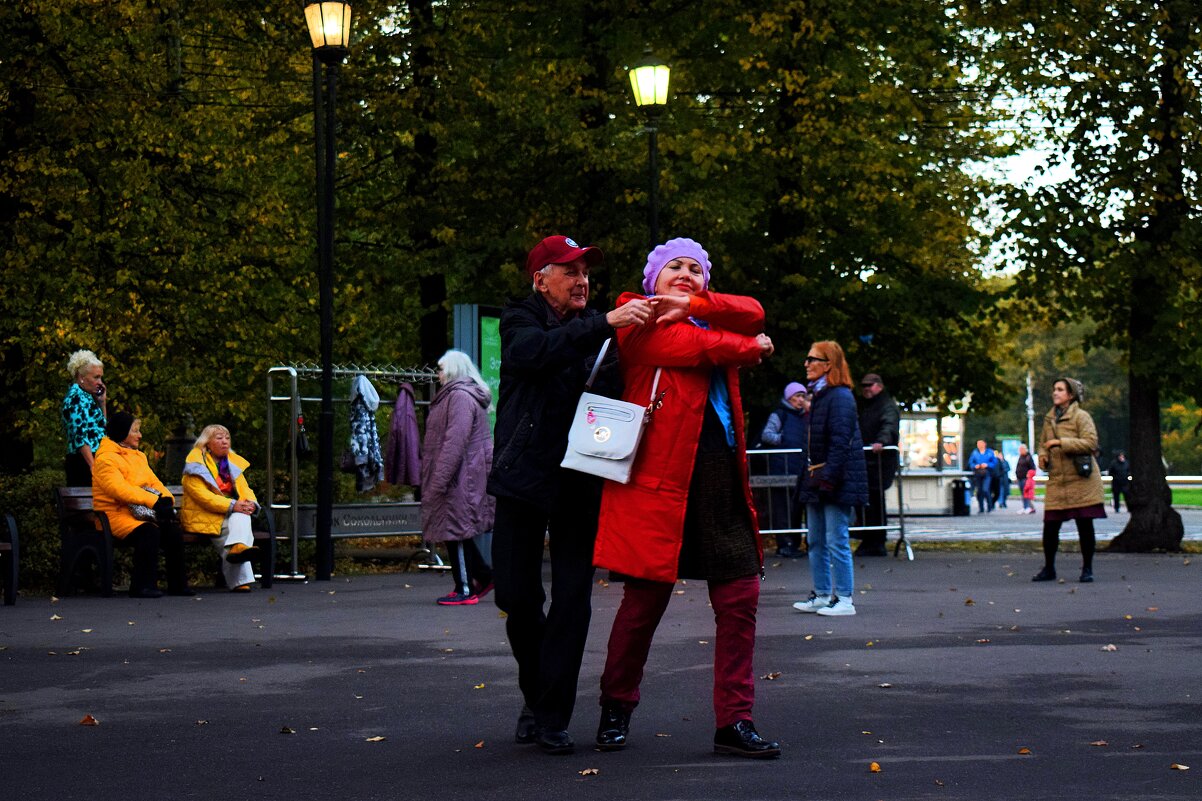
<point x="605" y="433"/>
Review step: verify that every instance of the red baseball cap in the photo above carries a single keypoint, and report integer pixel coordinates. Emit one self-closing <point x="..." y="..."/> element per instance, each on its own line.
<point x="560" y="250"/>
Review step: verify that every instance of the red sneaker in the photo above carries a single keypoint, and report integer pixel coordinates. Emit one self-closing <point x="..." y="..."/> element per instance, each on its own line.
<point x="458" y="599"/>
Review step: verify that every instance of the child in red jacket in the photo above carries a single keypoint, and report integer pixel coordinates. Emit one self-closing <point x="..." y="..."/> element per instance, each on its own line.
<point x="1029" y="493"/>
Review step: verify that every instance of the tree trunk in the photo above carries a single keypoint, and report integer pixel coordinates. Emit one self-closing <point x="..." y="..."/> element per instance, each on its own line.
<point x="1154" y="524"/>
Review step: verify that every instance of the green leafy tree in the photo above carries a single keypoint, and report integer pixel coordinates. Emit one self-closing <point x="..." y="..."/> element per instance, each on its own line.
<point x="1118" y="241"/>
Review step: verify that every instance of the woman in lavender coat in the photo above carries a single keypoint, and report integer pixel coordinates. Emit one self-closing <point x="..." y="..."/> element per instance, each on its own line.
<point x="456" y="458"/>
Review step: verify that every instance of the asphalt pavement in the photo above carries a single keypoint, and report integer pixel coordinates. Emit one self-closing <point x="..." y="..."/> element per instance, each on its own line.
<point x="958" y="677"/>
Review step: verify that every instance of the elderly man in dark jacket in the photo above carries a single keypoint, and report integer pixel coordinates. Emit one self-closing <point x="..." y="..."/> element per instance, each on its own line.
<point x="549" y="341"/>
<point x="879" y="428"/>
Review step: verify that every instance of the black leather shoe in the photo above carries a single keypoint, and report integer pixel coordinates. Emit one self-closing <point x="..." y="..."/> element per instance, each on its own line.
<point x="614" y="726"/>
<point x="527" y="730"/>
<point x="741" y="739"/>
<point x="555" y="741"/>
<point x="183" y="592"/>
<point x="1047" y="574"/>
<point x="1086" y="576"/>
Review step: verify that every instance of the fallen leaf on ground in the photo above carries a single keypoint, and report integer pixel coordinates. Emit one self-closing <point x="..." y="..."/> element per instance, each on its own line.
<point x="1024" y="751"/>
<point x="661" y="734"/>
<point x="885" y="685"/>
<point x="679" y="592"/>
<point x="1128" y="617"/>
<point x="202" y="723"/>
<point x="88" y="720"/>
<point x="1138" y="745"/>
<point x="448" y="650"/>
<point x="1153" y="608"/>
<point x="984" y="641"/>
<point x="86" y="631"/>
<point x="164" y="650"/>
<point x="56" y="617"/>
<point x="1175" y="766"/>
<point x="1099" y="743"/>
<point x="479" y="744"/>
<point x="773" y="676"/>
<point x="479" y="686"/>
<point x="809" y="636"/>
<point x="703" y="642"/>
<point x="869" y="644"/>
<point x="287" y="730"/>
<point x="1110" y="647"/>
<point x="874" y="767"/>
<point x="376" y="739"/>
<point x="938" y="783"/>
<point x="589" y="772"/>
<point x="969" y="602"/>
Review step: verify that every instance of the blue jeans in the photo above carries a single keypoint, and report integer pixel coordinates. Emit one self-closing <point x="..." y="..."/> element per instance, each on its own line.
<point x="829" y="548"/>
<point x="983" y="483"/>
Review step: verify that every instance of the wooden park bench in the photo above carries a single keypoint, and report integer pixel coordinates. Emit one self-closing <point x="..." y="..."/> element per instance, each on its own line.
<point x="10" y="558"/>
<point x="85" y="532"/>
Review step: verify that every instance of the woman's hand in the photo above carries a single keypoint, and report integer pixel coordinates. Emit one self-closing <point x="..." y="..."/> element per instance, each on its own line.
<point x="670" y="308"/>
<point x="1053" y="443"/>
<point x="765" y="343"/>
<point x="636" y="312"/>
<point x="245" y="507"/>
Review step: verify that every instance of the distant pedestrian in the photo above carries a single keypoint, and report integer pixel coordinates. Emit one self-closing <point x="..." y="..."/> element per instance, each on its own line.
<point x="83" y="414"/>
<point x="1002" y="476"/>
<point x="982" y="463"/>
<point x="1120" y="480"/>
<point x="785" y="429"/>
<point x="1069" y="435"/>
<point x="1025" y="466"/>
<point x="880" y="426"/>
<point x="456" y="458"/>
<point x="1028" y="494"/>
<point x="836" y="483"/>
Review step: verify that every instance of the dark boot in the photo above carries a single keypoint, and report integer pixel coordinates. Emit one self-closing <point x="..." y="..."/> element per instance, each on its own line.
<point x="741" y="739"/>
<point x="614" y="726"/>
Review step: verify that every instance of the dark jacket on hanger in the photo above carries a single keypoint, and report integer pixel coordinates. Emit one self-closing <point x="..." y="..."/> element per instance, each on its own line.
<point x="402" y="454"/>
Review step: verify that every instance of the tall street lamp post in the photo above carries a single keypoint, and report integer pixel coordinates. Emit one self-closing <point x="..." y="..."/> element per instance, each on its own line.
<point x="330" y="30"/>
<point x="649" y="80"/>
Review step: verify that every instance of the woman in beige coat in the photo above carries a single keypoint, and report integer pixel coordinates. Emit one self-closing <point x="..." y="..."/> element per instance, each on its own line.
<point x="1069" y="435"/>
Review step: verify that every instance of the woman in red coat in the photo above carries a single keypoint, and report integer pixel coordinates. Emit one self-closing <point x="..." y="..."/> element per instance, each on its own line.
<point x="687" y="511"/>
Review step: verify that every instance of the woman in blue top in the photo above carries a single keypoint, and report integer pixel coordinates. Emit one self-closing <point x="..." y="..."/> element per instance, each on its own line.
<point x="83" y="412"/>
<point x="836" y="481"/>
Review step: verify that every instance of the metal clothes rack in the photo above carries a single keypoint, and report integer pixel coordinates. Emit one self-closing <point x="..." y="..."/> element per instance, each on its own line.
<point x="290" y="376"/>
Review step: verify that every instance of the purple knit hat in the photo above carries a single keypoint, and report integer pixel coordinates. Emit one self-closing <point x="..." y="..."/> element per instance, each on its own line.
<point x="792" y="388"/>
<point x="674" y="249"/>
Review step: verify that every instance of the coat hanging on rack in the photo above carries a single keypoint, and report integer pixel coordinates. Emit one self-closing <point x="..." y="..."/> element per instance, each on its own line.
<point x="365" y="438"/>
<point x="402" y="454"/>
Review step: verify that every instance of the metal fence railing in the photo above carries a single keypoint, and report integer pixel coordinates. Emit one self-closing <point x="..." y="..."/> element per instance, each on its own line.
<point x="774" y="473"/>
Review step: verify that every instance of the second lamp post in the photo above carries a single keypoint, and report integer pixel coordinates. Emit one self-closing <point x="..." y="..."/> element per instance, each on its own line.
<point x="649" y="80"/>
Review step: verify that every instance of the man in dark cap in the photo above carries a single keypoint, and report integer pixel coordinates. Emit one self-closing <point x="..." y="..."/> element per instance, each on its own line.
<point x="549" y="341"/>
<point x="879" y="428"/>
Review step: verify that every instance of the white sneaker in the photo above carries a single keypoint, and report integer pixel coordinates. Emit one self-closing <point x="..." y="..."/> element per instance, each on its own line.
<point x="841" y="606"/>
<point x="814" y="603"/>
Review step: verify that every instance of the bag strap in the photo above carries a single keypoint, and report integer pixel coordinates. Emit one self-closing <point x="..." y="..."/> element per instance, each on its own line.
<point x="588" y="385"/>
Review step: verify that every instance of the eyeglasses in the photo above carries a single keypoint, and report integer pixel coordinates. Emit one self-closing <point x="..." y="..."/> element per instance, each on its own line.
<point x="867" y="386"/>
<point x="812" y="359"/>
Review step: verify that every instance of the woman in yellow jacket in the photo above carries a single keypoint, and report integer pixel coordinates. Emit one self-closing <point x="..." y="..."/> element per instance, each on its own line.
<point x="218" y="502"/>
<point x="121" y="478"/>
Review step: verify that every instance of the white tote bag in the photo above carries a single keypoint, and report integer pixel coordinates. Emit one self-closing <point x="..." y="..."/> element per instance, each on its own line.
<point x="605" y="433"/>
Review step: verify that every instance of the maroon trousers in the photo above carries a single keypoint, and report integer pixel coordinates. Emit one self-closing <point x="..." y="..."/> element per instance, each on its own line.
<point x="643" y="604"/>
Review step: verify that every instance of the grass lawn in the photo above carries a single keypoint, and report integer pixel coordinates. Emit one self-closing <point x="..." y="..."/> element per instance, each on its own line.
<point x="1182" y="496"/>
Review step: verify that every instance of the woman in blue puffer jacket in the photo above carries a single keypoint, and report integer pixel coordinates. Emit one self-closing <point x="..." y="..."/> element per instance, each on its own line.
<point x="836" y="480"/>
